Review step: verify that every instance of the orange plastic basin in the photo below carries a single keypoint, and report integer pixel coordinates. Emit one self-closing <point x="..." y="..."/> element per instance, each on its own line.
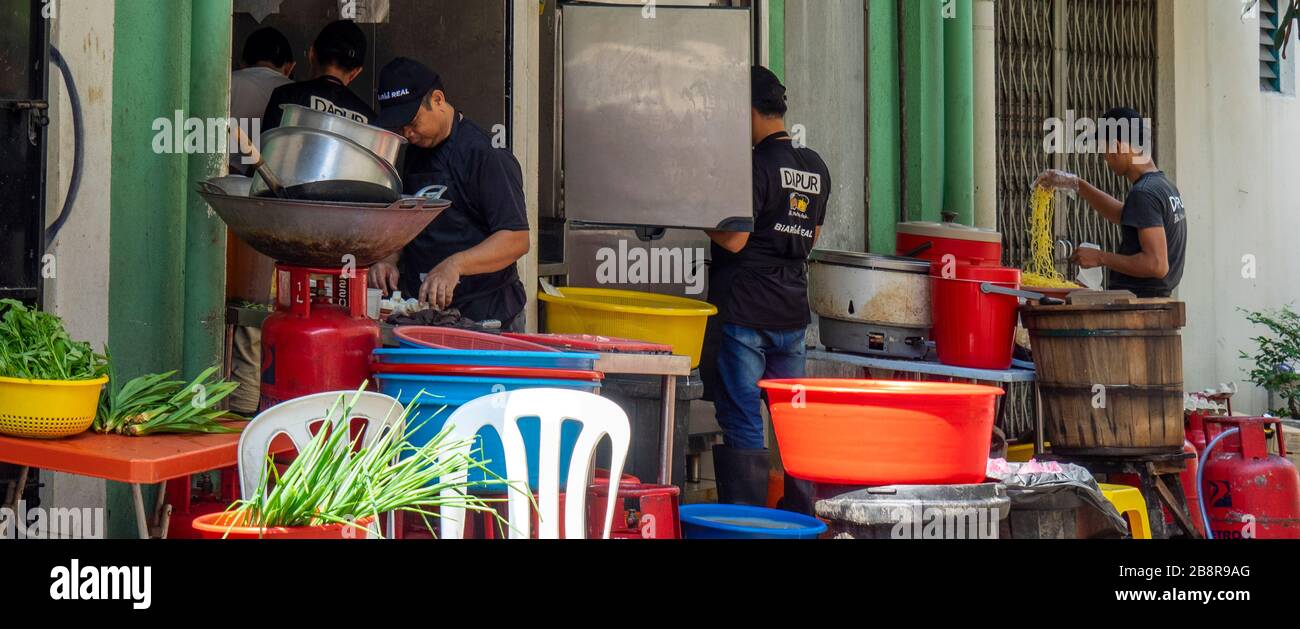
<point x="220" y="526"/>
<point x="882" y="432"/>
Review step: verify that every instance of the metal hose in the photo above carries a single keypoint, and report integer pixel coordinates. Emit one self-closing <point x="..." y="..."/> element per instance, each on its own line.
<point x="1200" y="474"/>
<point x="78" y="142"/>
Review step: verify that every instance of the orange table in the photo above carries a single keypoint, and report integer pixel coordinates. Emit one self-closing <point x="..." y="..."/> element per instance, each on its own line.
<point x="133" y="460"/>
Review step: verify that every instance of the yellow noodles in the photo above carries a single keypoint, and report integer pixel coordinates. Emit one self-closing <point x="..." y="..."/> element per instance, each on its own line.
<point x="1041" y="269"/>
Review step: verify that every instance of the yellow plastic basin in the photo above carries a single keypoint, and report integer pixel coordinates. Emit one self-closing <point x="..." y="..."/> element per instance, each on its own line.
<point x="675" y="321"/>
<point x="48" y="409"/>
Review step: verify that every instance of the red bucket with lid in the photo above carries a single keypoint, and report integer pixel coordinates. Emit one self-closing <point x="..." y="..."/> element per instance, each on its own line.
<point x="971" y="328"/>
<point x="933" y="241"/>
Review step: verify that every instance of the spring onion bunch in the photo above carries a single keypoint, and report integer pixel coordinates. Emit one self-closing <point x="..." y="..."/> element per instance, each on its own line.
<point x="156" y="403"/>
<point x="336" y="481"/>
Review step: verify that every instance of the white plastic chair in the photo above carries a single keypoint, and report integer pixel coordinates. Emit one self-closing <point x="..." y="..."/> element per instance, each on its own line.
<point x="599" y="417"/>
<point x="295" y="419"/>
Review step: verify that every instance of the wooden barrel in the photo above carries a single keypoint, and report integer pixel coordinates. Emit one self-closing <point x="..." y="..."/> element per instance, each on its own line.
<point x="1110" y="376"/>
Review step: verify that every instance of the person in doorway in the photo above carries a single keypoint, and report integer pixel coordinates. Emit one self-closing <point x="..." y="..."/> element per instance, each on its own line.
<point x="465" y="259"/>
<point x="268" y="61"/>
<point x="267" y="64"/>
<point x="1152" y="219"/>
<point x="759" y="282"/>
<point x="337" y="57"/>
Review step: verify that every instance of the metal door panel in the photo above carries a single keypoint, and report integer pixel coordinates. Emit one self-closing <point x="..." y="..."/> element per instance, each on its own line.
<point x="656" y="116"/>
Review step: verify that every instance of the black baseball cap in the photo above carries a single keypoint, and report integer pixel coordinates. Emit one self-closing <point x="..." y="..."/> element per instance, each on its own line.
<point x="768" y="95"/>
<point x="402" y="86"/>
<point x="267" y="44"/>
<point x="341" y="43"/>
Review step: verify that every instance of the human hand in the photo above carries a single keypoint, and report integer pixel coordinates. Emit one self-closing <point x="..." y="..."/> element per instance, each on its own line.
<point x="440" y="285"/>
<point x="384" y="276"/>
<point x="1087" y="257"/>
<point x="1053" y="179"/>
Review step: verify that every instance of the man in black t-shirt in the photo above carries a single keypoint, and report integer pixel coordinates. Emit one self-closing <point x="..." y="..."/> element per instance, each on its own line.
<point x="337" y="57"/>
<point x="759" y="282"/>
<point x="1152" y="218"/>
<point x="466" y="257"/>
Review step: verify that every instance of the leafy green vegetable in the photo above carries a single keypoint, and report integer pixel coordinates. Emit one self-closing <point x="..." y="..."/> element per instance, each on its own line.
<point x="155" y="403"/>
<point x="334" y="481"/>
<point x="35" y="346"/>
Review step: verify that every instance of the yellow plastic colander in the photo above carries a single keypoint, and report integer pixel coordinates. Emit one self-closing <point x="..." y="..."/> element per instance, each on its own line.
<point x="663" y="319"/>
<point x="48" y="409"/>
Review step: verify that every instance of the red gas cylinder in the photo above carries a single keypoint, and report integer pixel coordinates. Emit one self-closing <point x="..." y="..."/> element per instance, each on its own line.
<point x="316" y="340"/>
<point x="1248" y="492"/>
<point x="1194" y="428"/>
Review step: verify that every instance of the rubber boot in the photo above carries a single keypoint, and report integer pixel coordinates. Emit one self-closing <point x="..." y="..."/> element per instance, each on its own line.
<point x="742" y="475"/>
<point x="800" y="496"/>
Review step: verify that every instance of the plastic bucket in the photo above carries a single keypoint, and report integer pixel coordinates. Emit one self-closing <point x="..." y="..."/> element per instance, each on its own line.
<point x="882" y="432"/>
<point x="429" y="337"/>
<point x="544" y="360"/>
<point x="428" y="415"/>
<point x="971" y="328"/>
<point x="712" y="521"/>
<point x="677" y="322"/>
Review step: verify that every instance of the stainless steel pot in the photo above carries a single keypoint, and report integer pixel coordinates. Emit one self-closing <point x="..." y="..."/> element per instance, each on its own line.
<point x="300" y="155"/>
<point x="385" y="144"/>
<point x="867" y="288"/>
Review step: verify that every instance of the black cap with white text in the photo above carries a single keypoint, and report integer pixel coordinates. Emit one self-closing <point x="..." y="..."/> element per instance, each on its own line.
<point x="403" y="83"/>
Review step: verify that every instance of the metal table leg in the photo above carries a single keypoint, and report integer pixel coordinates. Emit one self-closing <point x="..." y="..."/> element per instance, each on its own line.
<point x="1038" y="421"/>
<point x="16" y="494"/>
<point x="141" y="520"/>
<point x="668" y="418"/>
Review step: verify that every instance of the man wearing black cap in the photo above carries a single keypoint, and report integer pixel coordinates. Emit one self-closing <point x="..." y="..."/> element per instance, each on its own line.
<point x="466" y="258"/>
<point x="337" y="57"/>
<point x="759" y="282"/>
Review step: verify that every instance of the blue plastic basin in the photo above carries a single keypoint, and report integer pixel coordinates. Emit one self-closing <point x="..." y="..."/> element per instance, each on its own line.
<point x="428" y="415"/>
<point x="713" y="521"/>
<point x="545" y="360"/>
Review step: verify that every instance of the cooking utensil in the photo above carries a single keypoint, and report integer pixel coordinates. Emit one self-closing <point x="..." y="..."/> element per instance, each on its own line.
<point x="300" y="155"/>
<point x="1043" y="300"/>
<point x="963" y="242"/>
<point x="973" y="328"/>
<point x="318" y="233"/>
<point x="339" y="191"/>
<point x="233" y="185"/>
<point x="869" y="303"/>
<point x="269" y="177"/>
<point x="385" y="144"/>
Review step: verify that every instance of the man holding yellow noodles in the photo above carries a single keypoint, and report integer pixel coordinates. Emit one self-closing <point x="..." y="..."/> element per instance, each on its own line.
<point x="1152" y="218"/>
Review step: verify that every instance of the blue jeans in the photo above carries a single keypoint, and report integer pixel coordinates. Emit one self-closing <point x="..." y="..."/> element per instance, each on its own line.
<point x="745" y="356"/>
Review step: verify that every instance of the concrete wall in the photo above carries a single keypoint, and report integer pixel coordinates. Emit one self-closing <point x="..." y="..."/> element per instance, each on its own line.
<point x="825" y="77"/>
<point x="1235" y="156"/>
<point x="83" y="32"/>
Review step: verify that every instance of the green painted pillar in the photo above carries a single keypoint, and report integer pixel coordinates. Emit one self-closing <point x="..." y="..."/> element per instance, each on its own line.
<point x="170" y="65"/>
<point x="959" y="110"/>
<point x="923" y="106"/>
<point x="205" y="233"/>
<point x="884" y="127"/>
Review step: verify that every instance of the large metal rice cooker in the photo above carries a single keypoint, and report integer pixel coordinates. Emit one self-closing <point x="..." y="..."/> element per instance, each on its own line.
<point x="871" y="304"/>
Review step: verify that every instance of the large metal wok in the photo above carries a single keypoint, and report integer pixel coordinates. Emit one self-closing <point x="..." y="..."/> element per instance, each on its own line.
<point x="322" y="233"/>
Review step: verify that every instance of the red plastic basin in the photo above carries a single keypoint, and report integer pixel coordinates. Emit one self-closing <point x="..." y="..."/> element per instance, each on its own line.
<point x="882" y="432"/>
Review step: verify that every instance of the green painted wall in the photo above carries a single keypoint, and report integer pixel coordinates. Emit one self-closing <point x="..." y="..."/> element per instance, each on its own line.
<point x="167" y="255"/>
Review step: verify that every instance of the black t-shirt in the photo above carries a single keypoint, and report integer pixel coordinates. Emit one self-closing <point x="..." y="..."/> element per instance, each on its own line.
<point x="485" y="186"/>
<point x="1153" y="202"/>
<point x="765" y="286"/>
<point x="325" y="93"/>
